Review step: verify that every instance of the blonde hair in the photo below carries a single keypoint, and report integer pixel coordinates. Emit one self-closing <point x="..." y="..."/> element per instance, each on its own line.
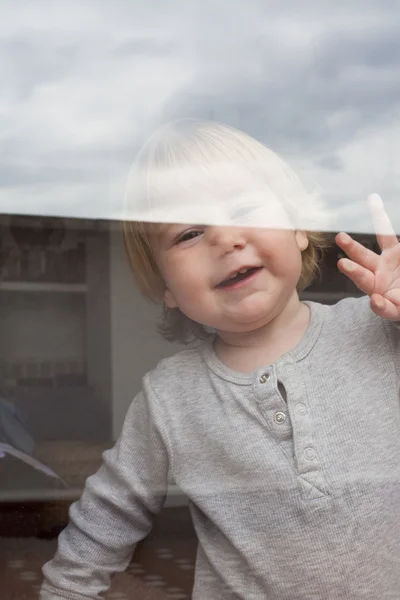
<point x="186" y="155"/>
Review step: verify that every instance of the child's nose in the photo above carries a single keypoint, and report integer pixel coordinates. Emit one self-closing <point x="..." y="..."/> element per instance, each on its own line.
<point x="227" y="238"/>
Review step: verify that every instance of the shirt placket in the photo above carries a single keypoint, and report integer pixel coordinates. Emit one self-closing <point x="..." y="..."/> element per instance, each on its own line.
<point x="305" y="452"/>
<point x="274" y="410"/>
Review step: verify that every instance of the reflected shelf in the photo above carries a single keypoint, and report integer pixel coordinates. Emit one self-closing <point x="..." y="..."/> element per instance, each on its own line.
<point x="33" y="286"/>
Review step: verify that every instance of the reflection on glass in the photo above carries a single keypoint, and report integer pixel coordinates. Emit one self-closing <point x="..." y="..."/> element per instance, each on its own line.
<point x="258" y="421"/>
<point x="260" y="459"/>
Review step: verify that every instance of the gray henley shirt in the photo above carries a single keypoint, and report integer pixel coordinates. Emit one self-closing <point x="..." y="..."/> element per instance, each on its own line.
<point x="292" y="472"/>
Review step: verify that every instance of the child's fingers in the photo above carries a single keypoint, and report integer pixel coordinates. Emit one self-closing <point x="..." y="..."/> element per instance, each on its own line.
<point x="357" y="252"/>
<point x="363" y="278"/>
<point x="382" y="307"/>
<point x="385" y="233"/>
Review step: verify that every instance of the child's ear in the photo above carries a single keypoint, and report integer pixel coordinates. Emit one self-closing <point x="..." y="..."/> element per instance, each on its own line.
<point x="169" y="299"/>
<point x="302" y="240"/>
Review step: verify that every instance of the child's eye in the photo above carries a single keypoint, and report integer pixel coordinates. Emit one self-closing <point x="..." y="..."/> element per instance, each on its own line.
<point x="188" y="235"/>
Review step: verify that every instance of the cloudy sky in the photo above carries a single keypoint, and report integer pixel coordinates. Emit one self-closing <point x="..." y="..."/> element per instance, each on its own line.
<point x="83" y="84"/>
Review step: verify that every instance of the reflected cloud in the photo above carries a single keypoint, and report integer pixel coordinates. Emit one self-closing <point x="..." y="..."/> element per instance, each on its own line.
<point x="84" y="86"/>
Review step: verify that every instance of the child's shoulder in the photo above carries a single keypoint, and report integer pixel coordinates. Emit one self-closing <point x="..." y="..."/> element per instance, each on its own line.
<point x="176" y="371"/>
<point x="352" y="315"/>
<point x="351" y="308"/>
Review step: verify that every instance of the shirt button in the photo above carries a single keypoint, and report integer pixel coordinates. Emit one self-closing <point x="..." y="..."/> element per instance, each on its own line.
<point x="265" y="377"/>
<point x="310" y="453"/>
<point x="279" y="418"/>
<point x="301" y="409"/>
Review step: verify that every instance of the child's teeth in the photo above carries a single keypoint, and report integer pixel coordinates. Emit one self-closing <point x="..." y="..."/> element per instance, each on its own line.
<point x="237" y="273"/>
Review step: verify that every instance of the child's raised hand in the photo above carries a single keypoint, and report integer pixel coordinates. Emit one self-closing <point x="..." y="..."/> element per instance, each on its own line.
<point x="378" y="275"/>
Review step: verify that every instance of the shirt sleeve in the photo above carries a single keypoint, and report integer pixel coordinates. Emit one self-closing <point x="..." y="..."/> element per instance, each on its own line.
<point x="115" y="512"/>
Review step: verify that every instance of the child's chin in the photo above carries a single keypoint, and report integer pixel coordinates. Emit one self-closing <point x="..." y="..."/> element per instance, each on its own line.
<point x="256" y="309"/>
<point x="251" y="322"/>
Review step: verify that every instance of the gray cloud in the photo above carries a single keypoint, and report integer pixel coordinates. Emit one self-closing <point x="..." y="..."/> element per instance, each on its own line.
<point x="83" y="85"/>
<point x="33" y="60"/>
<point x="145" y="47"/>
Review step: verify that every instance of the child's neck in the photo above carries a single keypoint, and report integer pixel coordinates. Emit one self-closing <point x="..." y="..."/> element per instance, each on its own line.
<point x="246" y="352"/>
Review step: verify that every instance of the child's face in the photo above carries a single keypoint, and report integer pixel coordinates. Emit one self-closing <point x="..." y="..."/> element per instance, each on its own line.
<point x="197" y="263"/>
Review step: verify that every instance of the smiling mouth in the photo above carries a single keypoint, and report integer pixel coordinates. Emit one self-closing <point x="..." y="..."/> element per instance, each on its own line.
<point x="240" y="276"/>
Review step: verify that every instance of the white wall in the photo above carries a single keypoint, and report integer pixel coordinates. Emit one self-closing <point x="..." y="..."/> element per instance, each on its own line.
<point x="136" y="345"/>
<point x="98" y="318"/>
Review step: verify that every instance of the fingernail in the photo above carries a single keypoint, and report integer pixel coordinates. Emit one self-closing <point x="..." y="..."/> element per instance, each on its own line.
<point x="349" y="266"/>
<point x="345" y="237"/>
<point x="375" y="199"/>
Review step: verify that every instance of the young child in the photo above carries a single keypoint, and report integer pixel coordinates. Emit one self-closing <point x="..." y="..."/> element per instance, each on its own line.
<point x="282" y="424"/>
